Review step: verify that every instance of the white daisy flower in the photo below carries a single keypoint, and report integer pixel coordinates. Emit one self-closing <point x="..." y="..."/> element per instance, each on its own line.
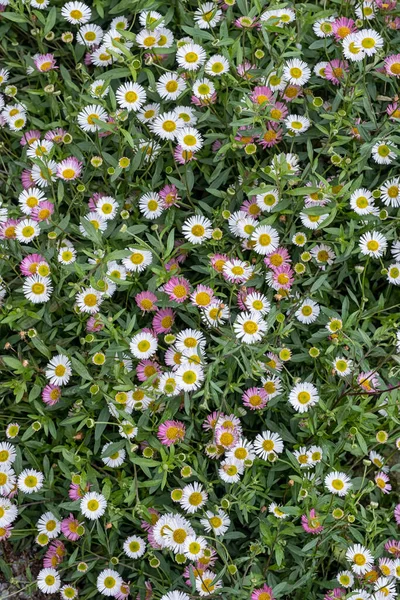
<point x="68" y="592"/>
<point x="48" y="580"/>
<point x="168" y="384"/>
<point x="258" y="303"/>
<point x="268" y="200"/>
<point x="151" y="205"/>
<point x="87" y="115"/>
<point x="99" y="88"/>
<point x="39" y="149"/>
<point x="150" y="17"/>
<point x="26" y="231"/>
<point x="166" y="126"/>
<point x="134" y="546"/>
<point x="66" y="255"/>
<point x="249" y="327"/>
<point x="296" y="71"/>
<point x="7" y="479"/>
<point x="8" y="512"/>
<point x="190" y="56"/>
<point x="297" y="123"/>
<point x="187" y="114"/>
<point x="189" y="376"/>
<point x="58" y="370"/>
<point x="197" y="229"/>
<point x="366" y="10"/>
<point x="176" y="533"/>
<point x="115" y="270"/>
<point x="267" y="443"/>
<point x="37" y="289"/>
<point x="345" y="578"/>
<point x="360" y="558"/>
<point x="7" y="453"/>
<point x="313" y="221"/>
<point x="93" y="505"/>
<point x="89" y="300"/>
<point x="215" y="313"/>
<point x="390" y="192"/>
<point x="373" y="244"/>
<point x="190" y="340"/>
<point x="49" y="524"/>
<point x="265" y="238"/>
<point x="170" y="86"/>
<point x="101" y="58"/>
<point x="342" y="366"/>
<point x="194" y="547"/>
<point x="109" y="582"/>
<point x="275" y="509"/>
<point x="30" y="481"/>
<point x="207" y="15"/>
<point x="114" y="460"/>
<point x="98" y="222"/>
<point x="115" y="35"/>
<point x="143" y="345"/>
<point x="384" y="153"/>
<point x="76" y="13"/>
<point x="218" y="522"/>
<point x="193" y="497"/>
<point x="231" y="470"/>
<point x="272" y="385"/>
<point x="303" y="396"/>
<point x="166" y="37"/>
<point x="203" y="89"/>
<point x="148" y="112"/>
<point x="319" y="69"/>
<point x="323" y="27"/>
<point x="107" y="207"/>
<point x="370" y="41"/>
<point x="362" y="202"/>
<point x="90" y="35"/>
<point x="385" y="589"/>
<point x="216" y="65"/>
<point x="147" y="38"/>
<point x="337" y="483"/>
<point x="393" y="274"/>
<point x="138" y="260"/>
<point x="189" y="138"/>
<point x="130" y="96"/>
<point x="308" y="312"/>
<point x="352" y="49"/>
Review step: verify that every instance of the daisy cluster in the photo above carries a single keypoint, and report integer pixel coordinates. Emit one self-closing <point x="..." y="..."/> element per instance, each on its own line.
<point x="199" y="290"/>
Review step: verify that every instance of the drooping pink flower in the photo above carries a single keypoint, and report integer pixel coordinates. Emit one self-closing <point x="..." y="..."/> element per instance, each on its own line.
<point x="204" y="101"/>
<point x="242" y="296"/>
<point x="368" y="381"/>
<point x="393" y="110"/>
<point x="291" y="92"/>
<point x="177" y="289"/>
<point x="171" y="432"/>
<point x="69" y="527"/>
<point x="396" y="514"/>
<point x="183" y="156"/>
<point x="278" y="111"/>
<point x="335" y="70"/>
<point x="75" y="492"/>
<point x="54" y="555"/>
<point x="255" y="398"/>
<point x="123" y="591"/>
<point x="247" y="22"/>
<point x="27" y="179"/>
<point x="212" y="419"/>
<point x="311" y="523"/>
<point x="155" y="515"/>
<point x="149" y="591"/>
<point x="245" y="68"/>
<point x="51" y="394"/>
<point x="382" y="482"/>
<point x="335" y="593"/>
<point x="7" y="229"/>
<point x="342" y="27"/>
<point x="146" y="301"/>
<point x="225" y="437"/>
<point x="30" y="263"/>
<point x="263" y="593"/>
<point x="55" y="135"/>
<point x="93" y="324"/>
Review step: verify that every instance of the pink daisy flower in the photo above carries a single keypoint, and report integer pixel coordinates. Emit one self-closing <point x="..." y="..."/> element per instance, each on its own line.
<point x="212" y="420"/>
<point x="146" y="301"/>
<point x="30" y="264"/>
<point x="246" y="22"/>
<point x="204" y="101"/>
<point x="93" y="201"/>
<point x="43" y="211"/>
<point x="368" y="381"/>
<point x="278" y="111"/>
<point x="342" y="27"/>
<point x="163" y="320"/>
<point x="155" y="515"/>
<point x="392" y="65"/>
<point x="242" y="296"/>
<point x="335" y="70"/>
<point x="393" y="547"/>
<point x="29" y="137"/>
<point x="55" y="135"/>
<point x="280" y="278"/>
<point x="54" y="555"/>
<point x="393" y="110"/>
<point x="251" y="208"/>
<point x="263" y="593"/>
<point x="183" y="156"/>
<point x="255" y="398"/>
<point x="226" y="437"/>
<point x="271" y="136"/>
<point x="93" y="324"/>
<point x="69" y="169"/>
<point x="75" y="492"/>
<point x="123" y="591"/>
<point x="7" y="229"/>
<point x="45" y="62"/>
<point x="245" y="68"/>
<point x="5" y="532"/>
<point x="382" y="482"/>
<point x="51" y="394"/>
<point x="26" y="179"/>
<point x="335" y="593"/>
<point x="291" y="92"/>
<point x="218" y="261"/>
<point x="202" y="296"/>
<point x="177" y="289"/>
<point x="69" y="527"/>
<point x="276" y="259"/>
<point x="261" y="95"/>
<point x="169" y="195"/>
<point x="397" y="514"/>
<point x="146" y="369"/>
<point x="311" y="523"/>
<point x="171" y="432"/>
